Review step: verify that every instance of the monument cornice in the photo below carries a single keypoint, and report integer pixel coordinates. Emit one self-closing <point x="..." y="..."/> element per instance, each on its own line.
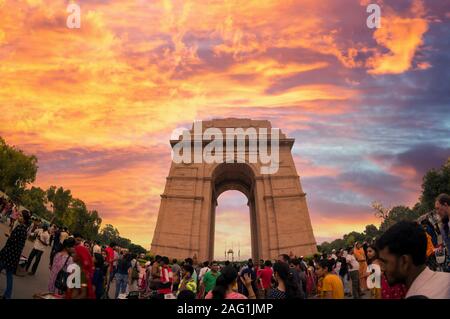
<point x="183" y="197"/>
<point x="284" y="196"/>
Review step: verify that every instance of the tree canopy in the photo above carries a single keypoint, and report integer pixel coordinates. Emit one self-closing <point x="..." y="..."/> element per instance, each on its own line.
<point x="56" y="204"/>
<point x="16" y="170"/>
<point x="435" y="182"/>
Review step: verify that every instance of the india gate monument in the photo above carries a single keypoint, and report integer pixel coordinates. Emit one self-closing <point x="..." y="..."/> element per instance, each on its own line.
<point x="279" y="217"/>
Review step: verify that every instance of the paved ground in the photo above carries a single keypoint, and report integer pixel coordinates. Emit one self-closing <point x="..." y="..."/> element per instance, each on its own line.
<point x="26" y="287"/>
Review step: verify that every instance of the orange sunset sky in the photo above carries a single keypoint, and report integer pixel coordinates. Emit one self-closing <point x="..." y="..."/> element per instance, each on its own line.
<point x="368" y="107"/>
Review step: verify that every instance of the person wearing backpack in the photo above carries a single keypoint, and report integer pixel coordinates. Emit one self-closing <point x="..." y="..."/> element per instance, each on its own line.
<point x="61" y="261"/>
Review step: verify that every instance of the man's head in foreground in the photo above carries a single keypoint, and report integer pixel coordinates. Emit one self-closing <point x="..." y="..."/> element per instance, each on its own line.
<point x="442" y="206"/>
<point x="402" y="250"/>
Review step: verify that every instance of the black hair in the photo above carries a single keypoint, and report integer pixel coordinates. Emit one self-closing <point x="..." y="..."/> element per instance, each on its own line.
<point x="112" y="244"/>
<point x="68" y="243"/>
<point x="189" y="261"/>
<point x="268" y="263"/>
<point x="186" y="295"/>
<point x="174" y="261"/>
<point x="188" y="268"/>
<point x="26" y="216"/>
<point x="375" y="249"/>
<point x="227" y="276"/>
<point x="227" y="263"/>
<point x="286" y="258"/>
<point x="405" y="238"/>
<point x="128" y="257"/>
<point x="205" y="263"/>
<point x="295" y="262"/>
<point x="165" y="260"/>
<point x="443" y="199"/>
<point x="292" y="288"/>
<point x="77" y="235"/>
<point x="326" y="264"/>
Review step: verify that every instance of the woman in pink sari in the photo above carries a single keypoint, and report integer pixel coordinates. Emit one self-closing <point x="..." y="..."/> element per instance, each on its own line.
<point x="61" y="261"/>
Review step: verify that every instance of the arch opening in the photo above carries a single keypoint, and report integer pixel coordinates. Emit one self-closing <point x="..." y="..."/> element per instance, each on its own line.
<point x="234" y="177"/>
<point x="232" y="227"/>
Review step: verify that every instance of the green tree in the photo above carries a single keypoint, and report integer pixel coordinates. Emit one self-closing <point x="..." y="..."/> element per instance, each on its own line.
<point x="108" y="234"/>
<point x="123" y="242"/>
<point x="136" y="249"/>
<point x="34" y="200"/>
<point x="396" y="214"/>
<point x="80" y="220"/>
<point x="61" y="200"/>
<point x="435" y="182"/>
<point x="324" y="247"/>
<point x="16" y="170"/>
<point x="371" y="232"/>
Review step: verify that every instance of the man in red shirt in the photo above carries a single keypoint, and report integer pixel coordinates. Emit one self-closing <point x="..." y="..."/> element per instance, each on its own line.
<point x="266" y="277"/>
<point x="166" y="281"/>
<point x="110" y="260"/>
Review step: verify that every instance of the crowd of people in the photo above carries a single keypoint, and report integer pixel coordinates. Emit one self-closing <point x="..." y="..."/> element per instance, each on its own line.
<point x="404" y="262"/>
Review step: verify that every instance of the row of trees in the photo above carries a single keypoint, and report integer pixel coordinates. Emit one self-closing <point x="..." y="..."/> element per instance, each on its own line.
<point x="55" y="204"/>
<point x="435" y="182"/>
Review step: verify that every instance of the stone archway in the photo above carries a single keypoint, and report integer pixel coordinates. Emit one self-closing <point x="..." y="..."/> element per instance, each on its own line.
<point x="279" y="215"/>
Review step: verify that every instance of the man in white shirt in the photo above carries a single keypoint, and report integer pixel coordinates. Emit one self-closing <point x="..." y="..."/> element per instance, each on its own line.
<point x="333" y="254"/>
<point x="42" y="240"/>
<point x="402" y="251"/>
<point x="97" y="249"/>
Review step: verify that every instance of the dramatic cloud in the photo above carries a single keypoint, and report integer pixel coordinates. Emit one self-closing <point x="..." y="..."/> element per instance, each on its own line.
<point x="401" y="36"/>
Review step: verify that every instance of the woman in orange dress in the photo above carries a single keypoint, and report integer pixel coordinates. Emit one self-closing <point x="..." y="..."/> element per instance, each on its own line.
<point x="360" y="256"/>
